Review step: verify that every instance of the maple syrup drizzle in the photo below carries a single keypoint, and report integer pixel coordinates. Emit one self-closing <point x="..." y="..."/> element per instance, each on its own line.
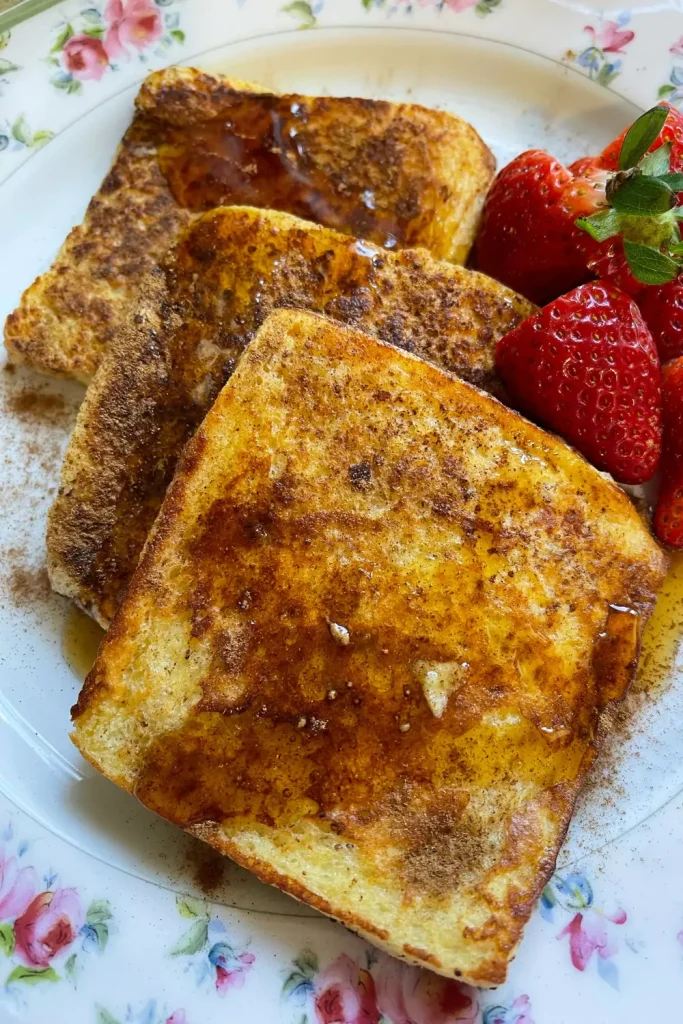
<point x="259" y="156"/>
<point x="80" y="641"/>
<point x="663" y="632"/>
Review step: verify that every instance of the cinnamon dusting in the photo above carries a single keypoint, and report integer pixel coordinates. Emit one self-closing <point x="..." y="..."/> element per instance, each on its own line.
<point x="207" y="867"/>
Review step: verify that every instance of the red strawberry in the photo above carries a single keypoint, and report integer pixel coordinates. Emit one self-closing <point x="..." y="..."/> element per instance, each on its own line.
<point x="662" y="310"/>
<point x="546" y="228"/>
<point x="607" y="260"/>
<point x="649" y="225"/>
<point x="610" y="154"/>
<point x="584" y="193"/>
<point x="671" y="132"/>
<point x="586" y="366"/>
<point x="526" y="240"/>
<point x="582" y="197"/>
<point x="586" y="165"/>
<point x="668" y="520"/>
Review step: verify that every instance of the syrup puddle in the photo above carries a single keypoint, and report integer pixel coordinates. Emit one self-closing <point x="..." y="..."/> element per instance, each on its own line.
<point x="80" y="642"/>
<point x="663" y="633"/>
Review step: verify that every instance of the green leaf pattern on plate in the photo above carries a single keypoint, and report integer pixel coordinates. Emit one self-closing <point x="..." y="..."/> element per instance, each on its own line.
<point x="32" y="975"/>
<point x="6" y="939"/>
<point x="193" y="940"/>
<point x="302" y="11"/>
<point x="19" y="135"/>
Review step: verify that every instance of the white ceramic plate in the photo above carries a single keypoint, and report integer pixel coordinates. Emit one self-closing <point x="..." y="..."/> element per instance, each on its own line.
<point x="108" y="914"/>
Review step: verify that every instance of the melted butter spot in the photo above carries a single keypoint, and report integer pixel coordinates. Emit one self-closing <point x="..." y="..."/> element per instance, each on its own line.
<point x="363" y="249"/>
<point x="622" y="608"/>
<point x="207" y="351"/>
<point x="278" y="466"/>
<point x="502" y="719"/>
<point x="201" y="394"/>
<point x="439" y="679"/>
<point x="524" y="457"/>
<point x="340" y="634"/>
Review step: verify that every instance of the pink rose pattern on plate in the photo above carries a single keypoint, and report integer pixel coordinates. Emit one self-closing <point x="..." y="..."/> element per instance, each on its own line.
<point x="100" y="38"/>
<point x="518" y="1012"/>
<point x="214" y="959"/>
<point x="673" y="89"/>
<point x="48" y="926"/>
<point x="591" y="931"/>
<point x="382" y="990"/>
<point x="306" y="11"/>
<point x="608" y="42"/>
<point x="481" y="7"/>
<point x="44" y="927"/>
<point x="345" y="992"/>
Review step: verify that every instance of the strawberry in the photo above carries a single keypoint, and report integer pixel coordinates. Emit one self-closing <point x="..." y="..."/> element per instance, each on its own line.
<point x="671" y="132"/>
<point x="607" y="260"/>
<point x="526" y="240"/>
<point x="668" y="519"/>
<point x="662" y="310"/>
<point x="586" y="165"/>
<point x="546" y="228"/>
<point x="583" y="197"/>
<point x="586" y="367"/>
<point x="635" y="240"/>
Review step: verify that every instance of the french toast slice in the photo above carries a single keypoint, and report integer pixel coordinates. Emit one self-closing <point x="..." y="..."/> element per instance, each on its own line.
<point x="368" y="642"/>
<point x="400" y="175"/>
<point x="194" y="319"/>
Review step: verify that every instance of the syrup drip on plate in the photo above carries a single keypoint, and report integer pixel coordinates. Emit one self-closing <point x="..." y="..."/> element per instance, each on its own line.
<point x="663" y="632"/>
<point x="80" y="642"/>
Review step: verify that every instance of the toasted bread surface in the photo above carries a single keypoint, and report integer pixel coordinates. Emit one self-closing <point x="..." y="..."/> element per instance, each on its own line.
<point x="368" y="641"/>
<point x="398" y="174"/>
<point x="194" y="319"/>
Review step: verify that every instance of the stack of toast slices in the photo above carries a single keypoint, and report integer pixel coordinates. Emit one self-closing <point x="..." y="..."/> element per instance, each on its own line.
<point x="195" y="316"/>
<point x="363" y="618"/>
<point x="396" y="174"/>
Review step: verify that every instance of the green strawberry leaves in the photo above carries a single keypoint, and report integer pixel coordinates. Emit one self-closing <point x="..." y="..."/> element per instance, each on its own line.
<point x="649" y="265"/>
<point x="674" y="181"/>
<point x="602" y="225"/>
<point x="658" y="161"/>
<point x="640" y="136"/>
<point x="642" y="197"/>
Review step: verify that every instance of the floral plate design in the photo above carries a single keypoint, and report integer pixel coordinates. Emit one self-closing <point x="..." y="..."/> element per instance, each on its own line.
<point x="90" y="937"/>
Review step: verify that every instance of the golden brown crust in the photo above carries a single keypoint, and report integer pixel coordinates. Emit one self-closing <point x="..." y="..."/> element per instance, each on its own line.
<point x="423" y="175"/>
<point x="364" y="651"/>
<point x="70" y="314"/>
<point x="266" y="873"/>
<point x="231" y="268"/>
